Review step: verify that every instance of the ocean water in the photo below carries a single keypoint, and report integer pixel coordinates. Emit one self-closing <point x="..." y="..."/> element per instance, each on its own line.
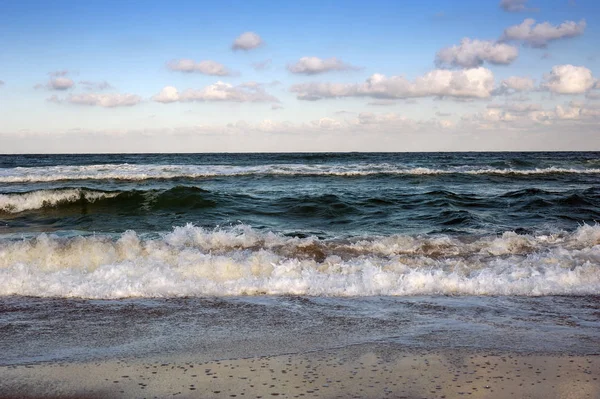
<point x="484" y="250"/>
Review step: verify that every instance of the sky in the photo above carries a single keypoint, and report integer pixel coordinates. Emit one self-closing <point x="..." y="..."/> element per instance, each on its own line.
<point x="262" y="76"/>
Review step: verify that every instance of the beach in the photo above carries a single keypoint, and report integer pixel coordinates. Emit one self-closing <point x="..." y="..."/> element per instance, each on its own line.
<point x="362" y="371"/>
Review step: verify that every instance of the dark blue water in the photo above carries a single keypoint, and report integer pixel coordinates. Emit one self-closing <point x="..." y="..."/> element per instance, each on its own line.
<point x="326" y="195"/>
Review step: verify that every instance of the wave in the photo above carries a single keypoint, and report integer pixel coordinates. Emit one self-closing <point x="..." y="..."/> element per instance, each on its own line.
<point x="192" y="261"/>
<point x="150" y="171"/>
<point x="20" y="202"/>
<point x="179" y="197"/>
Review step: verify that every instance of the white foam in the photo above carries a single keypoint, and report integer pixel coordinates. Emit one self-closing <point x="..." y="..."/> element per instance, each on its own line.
<point x="151" y="171"/>
<point x="19" y="202"/>
<point x="191" y="261"/>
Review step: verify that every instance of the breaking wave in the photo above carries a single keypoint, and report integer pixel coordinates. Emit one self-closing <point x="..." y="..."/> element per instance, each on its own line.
<point x="20" y="202"/>
<point x="136" y="172"/>
<point x="192" y="261"/>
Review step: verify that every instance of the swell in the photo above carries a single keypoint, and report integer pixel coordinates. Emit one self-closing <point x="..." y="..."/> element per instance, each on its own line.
<point x="140" y="172"/>
<point x="192" y="261"/>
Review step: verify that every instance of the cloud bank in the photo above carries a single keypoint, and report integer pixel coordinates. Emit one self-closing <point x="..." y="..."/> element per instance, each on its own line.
<point x="474" y="83"/>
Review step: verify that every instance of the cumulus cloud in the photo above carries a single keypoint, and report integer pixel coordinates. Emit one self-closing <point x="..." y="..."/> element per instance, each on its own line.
<point x="514" y="5"/>
<point x="539" y="35"/>
<point x="316" y="65"/>
<point x="568" y="79"/>
<point x="104" y="100"/>
<point x="477" y="83"/>
<point x="576" y="111"/>
<point x="473" y="53"/>
<point x="247" y="41"/>
<point x="220" y="91"/>
<point x="206" y="67"/>
<point x="60" y="83"/>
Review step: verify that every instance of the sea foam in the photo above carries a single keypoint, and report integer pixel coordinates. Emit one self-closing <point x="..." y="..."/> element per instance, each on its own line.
<point x="192" y="261"/>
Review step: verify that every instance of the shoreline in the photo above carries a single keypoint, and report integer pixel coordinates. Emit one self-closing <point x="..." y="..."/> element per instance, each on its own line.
<point x="373" y="370"/>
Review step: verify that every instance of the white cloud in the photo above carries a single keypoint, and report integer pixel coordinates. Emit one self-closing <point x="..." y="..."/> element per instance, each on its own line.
<point x="473" y="53"/>
<point x="316" y="65"/>
<point x="1" y="83"/>
<point x="89" y="85"/>
<point x="514" y="5"/>
<point x="477" y="82"/>
<point x="220" y="91"/>
<point x="275" y="107"/>
<point x="569" y="79"/>
<point x="104" y="100"/>
<point x="206" y="67"/>
<point x="168" y="94"/>
<point x="539" y="35"/>
<point x="247" y="41"/>
<point x="59" y="83"/>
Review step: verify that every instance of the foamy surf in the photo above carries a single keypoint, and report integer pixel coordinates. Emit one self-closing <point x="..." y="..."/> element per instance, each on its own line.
<point x="192" y="261"/>
<point x="140" y="172"/>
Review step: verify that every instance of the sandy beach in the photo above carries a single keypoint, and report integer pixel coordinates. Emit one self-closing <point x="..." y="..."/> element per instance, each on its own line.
<point x="360" y="371"/>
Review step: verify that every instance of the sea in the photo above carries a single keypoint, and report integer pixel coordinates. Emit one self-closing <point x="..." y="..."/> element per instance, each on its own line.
<point x="233" y="255"/>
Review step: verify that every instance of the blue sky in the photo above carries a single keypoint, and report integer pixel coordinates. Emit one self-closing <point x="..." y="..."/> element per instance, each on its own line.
<point x="91" y="76"/>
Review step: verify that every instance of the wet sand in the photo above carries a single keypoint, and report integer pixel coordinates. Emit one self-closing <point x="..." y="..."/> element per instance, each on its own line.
<point x="359" y="371"/>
